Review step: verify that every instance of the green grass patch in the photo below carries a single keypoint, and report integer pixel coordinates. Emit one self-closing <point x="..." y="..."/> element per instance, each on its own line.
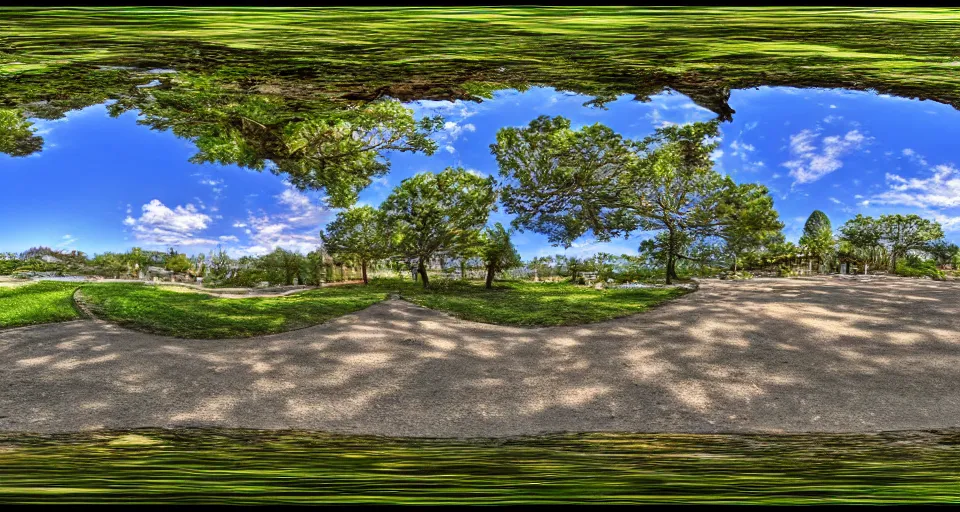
<point x="246" y="467"/>
<point x="37" y="303"/>
<point x="186" y="314"/>
<point x="525" y="303"/>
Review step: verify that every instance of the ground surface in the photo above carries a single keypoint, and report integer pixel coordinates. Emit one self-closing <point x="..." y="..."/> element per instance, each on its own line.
<point x="775" y="355"/>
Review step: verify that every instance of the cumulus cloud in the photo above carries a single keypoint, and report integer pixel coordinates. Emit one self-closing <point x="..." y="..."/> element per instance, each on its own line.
<point x="452" y="131"/>
<point x="295" y="228"/>
<point x="940" y="190"/>
<point x="161" y="225"/>
<point x="811" y="163"/>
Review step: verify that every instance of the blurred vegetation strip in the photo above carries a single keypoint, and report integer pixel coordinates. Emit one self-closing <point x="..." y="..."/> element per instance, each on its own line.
<point x="238" y="466"/>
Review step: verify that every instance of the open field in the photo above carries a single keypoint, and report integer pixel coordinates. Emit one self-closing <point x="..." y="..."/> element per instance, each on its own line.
<point x="246" y="467"/>
<point x="766" y="355"/>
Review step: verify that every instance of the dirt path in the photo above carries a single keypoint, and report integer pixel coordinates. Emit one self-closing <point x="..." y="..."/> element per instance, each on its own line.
<point x="765" y="355"/>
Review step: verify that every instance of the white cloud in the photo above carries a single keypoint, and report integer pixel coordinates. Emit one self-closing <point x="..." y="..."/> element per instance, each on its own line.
<point x="915" y="157"/>
<point x="160" y="225"/>
<point x="834" y="200"/>
<point x="228" y="238"/>
<point x="809" y="165"/>
<point x="297" y="228"/>
<point x="741" y="148"/>
<point x="302" y="209"/>
<point x="454" y="130"/>
<point x="941" y="190"/>
<point x="67" y="240"/>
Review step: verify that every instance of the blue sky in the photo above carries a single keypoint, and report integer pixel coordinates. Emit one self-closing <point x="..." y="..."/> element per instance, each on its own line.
<point x="108" y="184"/>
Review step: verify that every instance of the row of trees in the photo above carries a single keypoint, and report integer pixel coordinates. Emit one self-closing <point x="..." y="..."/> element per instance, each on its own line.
<point x="427" y="215"/>
<point x="881" y="242"/>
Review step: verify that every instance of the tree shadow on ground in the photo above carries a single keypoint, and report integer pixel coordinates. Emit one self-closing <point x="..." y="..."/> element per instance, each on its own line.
<point x="767" y="355"/>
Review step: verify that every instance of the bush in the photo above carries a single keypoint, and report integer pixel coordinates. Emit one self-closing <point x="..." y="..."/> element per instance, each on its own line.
<point x="914" y="267"/>
<point x="785" y="271"/>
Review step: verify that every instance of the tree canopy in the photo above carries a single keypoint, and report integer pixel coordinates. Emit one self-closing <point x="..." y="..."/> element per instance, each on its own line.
<point x="498" y="251"/>
<point x="896" y="233"/>
<point x="563" y="183"/>
<point x="318" y="145"/>
<point x="817" y="238"/>
<point x="358" y="233"/>
<point x="433" y="213"/>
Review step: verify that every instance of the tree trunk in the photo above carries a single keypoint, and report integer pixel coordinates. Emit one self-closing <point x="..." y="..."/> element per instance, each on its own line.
<point x="669" y="266"/>
<point x="422" y="270"/>
<point x="363" y="265"/>
<point x="893" y="262"/>
<point x="490" y="273"/>
<point x="463" y="270"/>
<point x="671" y="258"/>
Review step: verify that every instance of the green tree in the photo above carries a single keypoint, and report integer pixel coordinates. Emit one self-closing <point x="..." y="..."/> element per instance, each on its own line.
<point x="898" y="234"/>
<point x="17" y="136"/>
<point x="563" y="182"/>
<point x="219" y="264"/>
<point x="817" y="239"/>
<point x="321" y="145"/>
<point x="498" y="252"/>
<point x="444" y="212"/>
<point x="110" y="263"/>
<point x="178" y="263"/>
<point x="943" y="252"/>
<point x="281" y="266"/>
<point x="358" y="233"/>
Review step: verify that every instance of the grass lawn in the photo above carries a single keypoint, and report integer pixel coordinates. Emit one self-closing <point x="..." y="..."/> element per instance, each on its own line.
<point x="246" y="467"/>
<point x="531" y="304"/>
<point x="186" y="314"/>
<point x="37" y="303"/>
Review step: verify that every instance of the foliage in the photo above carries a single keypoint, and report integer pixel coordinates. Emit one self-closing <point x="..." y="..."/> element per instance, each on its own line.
<point x="498" y="252"/>
<point x="433" y="213"/>
<point x="898" y="234"/>
<point x="178" y="263"/>
<point x="359" y="233"/>
<point x="17" y="136"/>
<point x="563" y="182"/>
<point x="186" y="314"/>
<point x="201" y="465"/>
<point x="282" y="266"/>
<point x="37" y="303"/>
<point x="817" y="239"/>
<point x="111" y="264"/>
<point x="943" y="252"/>
<point x="916" y="267"/>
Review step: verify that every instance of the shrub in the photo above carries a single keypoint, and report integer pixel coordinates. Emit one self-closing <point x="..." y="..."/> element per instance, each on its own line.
<point x="913" y="267"/>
